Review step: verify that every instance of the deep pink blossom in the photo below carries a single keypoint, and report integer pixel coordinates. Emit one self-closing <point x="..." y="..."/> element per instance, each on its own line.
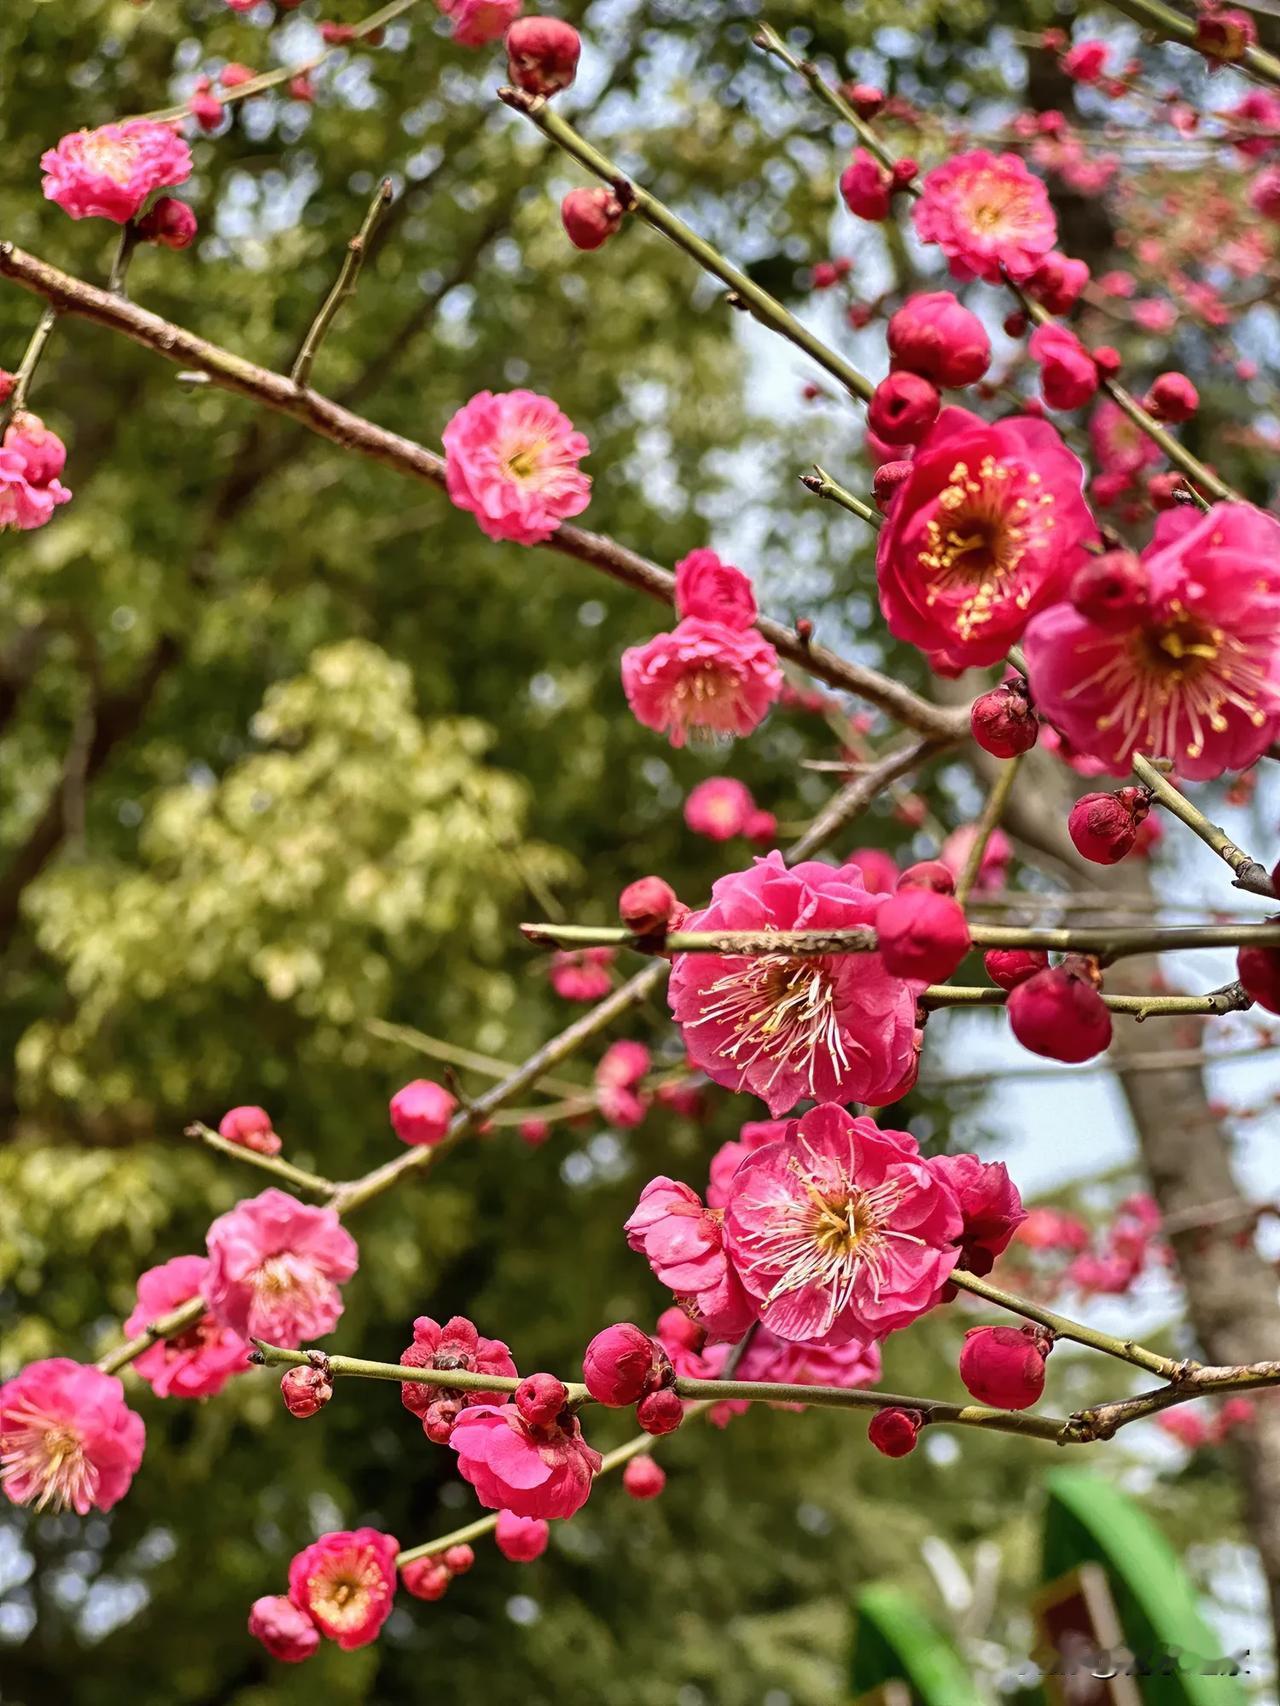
<point x="346" y="1583"/>
<point x="1119" y="445"/>
<point x="512" y="460"/>
<point x="1086" y="60"/>
<point x="729" y="1157"/>
<point x="475" y="23"/>
<point x="276" y="1266"/>
<point x="285" y="1630"/>
<point x="835" y="1028"/>
<point x="30" y="462"/>
<point x="1069" y="375"/>
<point x="684" y="1244"/>
<point x="455" y="1345"/>
<point x="582" y="974"/>
<point x="719" y="808"/>
<point x="990" y="1207"/>
<point x="988" y="528"/>
<point x="108" y="173"/>
<point x="771" y="1359"/>
<point x="988" y="214"/>
<point x="543" y="1471"/>
<point x="714" y="591"/>
<point x="935" y="335"/>
<point x="878" y="869"/>
<point x="1197" y="678"/>
<point x="68" y="1440"/>
<point x="521" y="1538"/>
<point x="703" y="681"/>
<point x="196" y="1362"/>
<point x="841" y="1231"/>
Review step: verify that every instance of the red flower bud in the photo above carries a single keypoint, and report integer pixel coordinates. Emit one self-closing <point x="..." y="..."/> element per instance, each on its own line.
<point x="206" y="109"/>
<point x="1058" y="281"/>
<point x="1165" y="490"/>
<point x="7" y="382"/>
<point x="337" y="35"/>
<point x="905" y="171"/>
<point x="1011" y="966"/>
<point x="660" y="1412"/>
<point x="421" y="1111"/>
<point x="1004" y="1366"/>
<point x="922" y="934"/>
<point x="929" y="874"/>
<point x="425" y="1578"/>
<point x="533" y="1132"/>
<point x="458" y="1559"/>
<point x="521" y="1538"/>
<point x="1112" y="590"/>
<point x="1259" y="971"/>
<point x="894" y="1432"/>
<point x="305" y="1390"/>
<point x="540" y="1399"/>
<point x="623" y="1363"/>
<point x="232" y="75"/>
<point x="646" y="906"/>
<point x="885" y="482"/>
<point x="1068" y="374"/>
<point x="903" y="407"/>
<point x="938" y="337"/>
<point x="169" y="222"/>
<point x="643" y="1478"/>
<point x="865" y="185"/>
<point x="1059" y="1014"/>
<point x="1107" y="359"/>
<point x="250" y="1127"/>
<point x="1002" y="721"/>
<point x="1104" y="827"/>
<point x="1172" y="397"/>
<point x="542" y="54"/>
<point x="590" y="216"/>
<point x="865" y="99"/>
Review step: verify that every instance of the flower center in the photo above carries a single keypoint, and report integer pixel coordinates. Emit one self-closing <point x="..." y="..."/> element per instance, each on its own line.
<point x="979" y="536"/>
<point x="42" y="1461"/>
<point x="779" y="1010"/>
<point x="342" y="1598"/>
<point x="524" y="463"/>
<point x="113" y="159"/>
<point x="707" y="704"/>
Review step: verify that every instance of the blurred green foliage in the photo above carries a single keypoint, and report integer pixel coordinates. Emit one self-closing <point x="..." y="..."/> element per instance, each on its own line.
<point x="373" y="742"/>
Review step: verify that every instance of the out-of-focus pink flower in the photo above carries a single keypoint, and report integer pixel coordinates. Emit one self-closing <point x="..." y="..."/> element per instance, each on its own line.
<point x="1187" y="1426"/>
<point x="582" y="974"/>
<point x="719" y="808"/>
<point x="475" y="23"/>
<point x="535" y="1471"/>
<point x="714" y="591"/>
<point x="1050" y="1229"/>
<point x="275" y="1269"/>
<point x="455" y="1345"/>
<point x="68" y="1440"/>
<point x="1197" y="678"/>
<point x="1057" y="282"/>
<point x="702" y="682"/>
<point x="108" y="173"/>
<point x="196" y="1362"/>
<point x="521" y="1538"/>
<point x="684" y="1244"/>
<point x="346" y="1584"/>
<point x="997" y="856"/>
<point x="512" y="457"/>
<point x="988" y="214"/>
<point x="1085" y="61"/>
<point x="988" y="528"/>
<point x="1068" y="373"/>
<point x="621" y="1069"/>
<point x="835" y="1028"/>
<point x="878" y="869"/>
<point x="841" y="1231"/>
<point x="990" y="1207"/>
<point x="285" y="1631"/>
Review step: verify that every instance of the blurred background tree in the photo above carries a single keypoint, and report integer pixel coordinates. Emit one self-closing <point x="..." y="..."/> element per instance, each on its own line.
<point x="289" y="746"/>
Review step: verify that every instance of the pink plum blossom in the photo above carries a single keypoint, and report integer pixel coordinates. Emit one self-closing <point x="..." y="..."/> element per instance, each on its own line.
<point x="455" y="1345"/>
<point x="582" y="974"/>
<point x="275" y="1269"/>
<point x="730" y="1156"/>
<point x="197" y="1362"/>
<point x="703" y="681"/>
<point x="511" y="458"/>
<point x="68" y="1440"/>
<point x="714" y="591"/>
<point x="684" y="1244"/>
<point x="108" y="173"/>
<point x="988" y="214"/>
<point x="475" y="23"/>
<point x="719" y="808"/>
<point x="346" y="1583"/>
<point x="533" y="1470"/>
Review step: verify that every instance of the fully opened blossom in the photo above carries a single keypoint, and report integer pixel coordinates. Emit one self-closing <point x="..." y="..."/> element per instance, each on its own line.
<point x="455" y="1345"/>
<point x="841" y="1231"/>
<point x="276" y="1267"/>
<point x="704" y="681"/>
<point x="108" y="173"/>
<point x="346" y="1584"/>
<point x="988" y="214"/>
<point x="68" y="1440"/>
<point x="534" y="1470"/>
<point x="1196" y="677"/>
<point x="988" y="528"/>
<point x="198" y="1361"/>
<point x="31" y="460"/>
<point x="835" y="1028"/>
<point x="511" y="458"/>
<point x="719" y="807"/>
<point x="685" y="1246"/>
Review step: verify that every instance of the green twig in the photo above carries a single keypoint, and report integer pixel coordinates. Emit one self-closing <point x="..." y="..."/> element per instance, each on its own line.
<point x="343" y="287"/>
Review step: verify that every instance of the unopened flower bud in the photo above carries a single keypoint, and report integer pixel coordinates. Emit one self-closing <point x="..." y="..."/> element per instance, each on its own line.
<point x="643" y="1478"/>
<point x="1002" y="721"/>
<point x="233" y="75"/>
<point x="169" y="222"/>
<point x="1259" y="971"/>
<point x="903" y="407"/>
<point x="867" y="188"/>
<point x="540" y="1399"/>
<point x="929" y="874"/>
<point x="1059" y="1014"/>
<point x="305" y="1390"/>
<point x="542" y="54"/>
<point x="458" y="1559"/>
<point x="894" y="1432"/>
<point x="1172" y="397"/>
<point x="1004" y="1366"/>
<point x="865" y="99"/>
<point x="425" y="1578"/>
<point x="438" y="1419"/>
<point x="660" y="1412"/>
<point x="590" y="216"/>
<point x="285" y="1631"/>
<point x="206" y="109"/>
<point x="622" y="1363"/>
<point x="885" y="482"/>
<point x="922" y="934"/>
<point x="1112" y="590"/>
<point x="1011" y="966"/>
<point x="521" y="1539"/>
<point x="250" y="1127"/>
<point x="421" y="1111"/>
<point x="646" y="906"/>
<point x="936" y="336"/>
<point x="1104" y="827"/>
<point x="1224" y="35"/>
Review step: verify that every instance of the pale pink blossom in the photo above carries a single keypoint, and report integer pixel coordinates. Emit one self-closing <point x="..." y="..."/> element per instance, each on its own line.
<point x="834" y="1028"/>
<point x="276" y="1266"/>
<point x="511" y="458"/>
<point x="988" y="214"/>
<point x="703" y="681"/>
<point x="719" y="808"/>
<point x="196" y="1362"/>
<point x="108" y="173"/>
<point x="582" y="974"/>
<point x="841" y="1231"/>
<point x="475" y="23"/>
<point x="68" y="1440"/>
<point x="684" y="1244"/>
<point x="1196" y="677"/>
<point x="535" y="1471"/>
<point x="346" y="1583"/>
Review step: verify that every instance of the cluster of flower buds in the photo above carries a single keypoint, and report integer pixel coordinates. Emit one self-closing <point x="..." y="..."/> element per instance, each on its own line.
<point x="624" y="1366"/>
<point x="921" y="929"/>
<point x="429" y="1578"/>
